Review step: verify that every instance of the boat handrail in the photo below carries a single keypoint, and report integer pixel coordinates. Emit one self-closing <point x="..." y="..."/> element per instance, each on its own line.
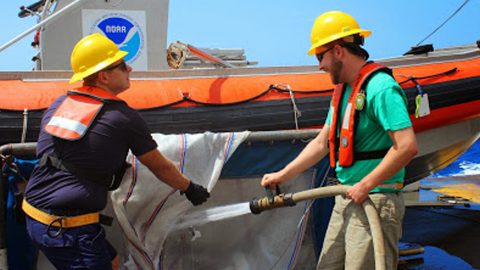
<point x="43" y="22"/>
<point x="28" y="148"/>
<point x="18" y="149"/>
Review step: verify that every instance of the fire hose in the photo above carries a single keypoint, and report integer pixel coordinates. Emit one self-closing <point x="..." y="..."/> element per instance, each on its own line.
<point x="291" y="199"/>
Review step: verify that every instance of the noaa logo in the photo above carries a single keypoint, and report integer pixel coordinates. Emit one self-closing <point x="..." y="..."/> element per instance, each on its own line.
<point x="125" y="32"/>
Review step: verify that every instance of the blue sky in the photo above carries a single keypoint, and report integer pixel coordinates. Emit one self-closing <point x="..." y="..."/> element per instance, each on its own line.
<point x="277" y="32"/>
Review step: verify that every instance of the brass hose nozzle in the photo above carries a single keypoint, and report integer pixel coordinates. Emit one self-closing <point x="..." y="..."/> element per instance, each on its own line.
<point x="266" y="203"/>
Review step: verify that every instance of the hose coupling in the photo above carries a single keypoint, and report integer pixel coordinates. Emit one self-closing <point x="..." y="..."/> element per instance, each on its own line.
<point x="281" y="200"/>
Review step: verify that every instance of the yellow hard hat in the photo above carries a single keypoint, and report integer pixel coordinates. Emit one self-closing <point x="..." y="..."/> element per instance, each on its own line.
<point x="333" y="25"/>
<point x="92" y="54"/>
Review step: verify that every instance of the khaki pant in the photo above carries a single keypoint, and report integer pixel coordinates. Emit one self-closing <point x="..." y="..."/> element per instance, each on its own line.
<point x="348" y="241"/>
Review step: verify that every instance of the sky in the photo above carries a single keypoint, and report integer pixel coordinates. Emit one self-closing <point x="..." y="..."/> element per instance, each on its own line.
<point x="277" y="32"/>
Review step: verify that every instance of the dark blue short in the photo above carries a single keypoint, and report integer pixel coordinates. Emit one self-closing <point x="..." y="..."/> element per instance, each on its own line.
<point x="82" y="247"/>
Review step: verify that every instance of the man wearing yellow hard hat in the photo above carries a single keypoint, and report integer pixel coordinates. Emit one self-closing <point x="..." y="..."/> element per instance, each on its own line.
<point x="369" y="138"/>
<point x="85" y="137"/>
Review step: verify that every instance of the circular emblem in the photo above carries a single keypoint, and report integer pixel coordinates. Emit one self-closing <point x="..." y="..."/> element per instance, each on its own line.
<point x="124" y="31"/>
<point x="360" y="101"/>
<point x="344" y="141"/>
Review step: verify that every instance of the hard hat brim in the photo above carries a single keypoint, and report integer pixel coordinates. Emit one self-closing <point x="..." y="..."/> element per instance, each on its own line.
<point x="362" y="32"/>
<point x="81" y="75"/>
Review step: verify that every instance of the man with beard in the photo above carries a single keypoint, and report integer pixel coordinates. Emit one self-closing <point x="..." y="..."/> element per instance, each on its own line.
<point x="369" y="137"/>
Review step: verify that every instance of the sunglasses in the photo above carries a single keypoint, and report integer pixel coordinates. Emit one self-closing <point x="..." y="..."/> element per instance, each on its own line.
<point x="122" y="65"/>
<point x="322" y="54"/>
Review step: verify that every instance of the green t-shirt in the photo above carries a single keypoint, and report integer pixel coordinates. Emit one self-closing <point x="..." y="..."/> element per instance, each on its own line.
<point x="385" y="110"/>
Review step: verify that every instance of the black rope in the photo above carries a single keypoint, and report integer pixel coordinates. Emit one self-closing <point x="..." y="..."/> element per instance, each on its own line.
<point x="282" y="90"/>
<point x="164" y="105"/>
<point x="451" y="16"/>
<point x="270" y="88"/>
<point x="445" y="73"/>
<point x="230" y="103"/>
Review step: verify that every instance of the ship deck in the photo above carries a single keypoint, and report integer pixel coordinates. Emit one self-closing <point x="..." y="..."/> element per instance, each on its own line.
<point x="446" y="226"/>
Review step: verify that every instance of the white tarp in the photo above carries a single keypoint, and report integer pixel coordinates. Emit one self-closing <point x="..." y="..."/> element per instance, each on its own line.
<point x="145" y="207"/>
<point x="146" y="211"/>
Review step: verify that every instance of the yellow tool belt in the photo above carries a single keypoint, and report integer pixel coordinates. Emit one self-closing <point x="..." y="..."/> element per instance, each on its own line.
<point x="59" y="221"/>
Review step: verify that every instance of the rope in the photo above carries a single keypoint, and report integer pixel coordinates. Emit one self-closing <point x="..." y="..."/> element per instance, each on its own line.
<point x="270" y="88"/>
<point x="296" y="112"/>
<point x="451" y="16"/>
<point x="283" y="90"/>
<point x="187" y="98"/>
<point x="412" y="78"/>
<point x="176" y="55"/>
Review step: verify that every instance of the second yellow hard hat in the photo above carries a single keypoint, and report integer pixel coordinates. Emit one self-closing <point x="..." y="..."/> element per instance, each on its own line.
<point x="331" y="26"/>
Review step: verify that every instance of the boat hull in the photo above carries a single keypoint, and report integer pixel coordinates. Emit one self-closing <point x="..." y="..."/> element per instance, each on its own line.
<point x="269" y="99"/>
<point x="441" y="146"/>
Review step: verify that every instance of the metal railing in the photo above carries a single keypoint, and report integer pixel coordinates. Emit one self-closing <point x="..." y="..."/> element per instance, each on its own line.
<point x="42" y="23"/>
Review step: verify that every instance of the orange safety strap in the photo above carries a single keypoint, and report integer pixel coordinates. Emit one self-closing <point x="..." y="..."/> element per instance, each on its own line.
<point x="344" y="144"/>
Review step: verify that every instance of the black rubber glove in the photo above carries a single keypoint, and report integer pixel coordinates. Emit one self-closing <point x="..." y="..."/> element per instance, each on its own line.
<point x="196" y="194"/>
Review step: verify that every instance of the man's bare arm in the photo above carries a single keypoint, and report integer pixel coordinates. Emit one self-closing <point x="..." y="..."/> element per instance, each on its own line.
<point x="403" y="150"/>
<point x="164" y="170"/>
<point x="310" y="155"/>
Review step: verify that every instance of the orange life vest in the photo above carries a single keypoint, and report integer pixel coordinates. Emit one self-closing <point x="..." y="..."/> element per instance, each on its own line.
<point x="71" y="121"/>
<point x="77" y="112"/>
<point x="342" y="147"/>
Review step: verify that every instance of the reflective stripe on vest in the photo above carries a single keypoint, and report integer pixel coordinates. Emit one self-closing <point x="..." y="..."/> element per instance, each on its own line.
<point x="77" y="112"/>
<point x="344" y="144"/>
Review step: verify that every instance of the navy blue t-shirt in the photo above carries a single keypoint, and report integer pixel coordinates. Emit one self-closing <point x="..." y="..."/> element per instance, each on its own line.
<point x="103" y="149"/>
